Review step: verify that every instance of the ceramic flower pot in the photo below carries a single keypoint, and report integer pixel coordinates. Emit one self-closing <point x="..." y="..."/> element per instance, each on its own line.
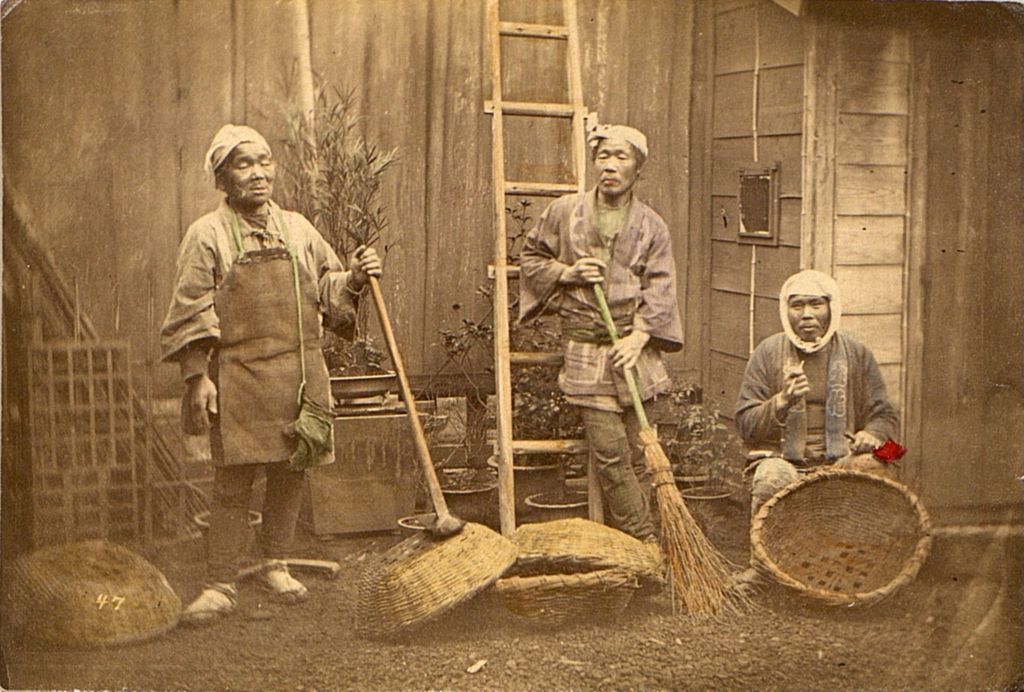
<point x="348" y="387"/>
<point x="471" y="495"/>
<point x="561" y="504"/>
<point x="531" y="480"/>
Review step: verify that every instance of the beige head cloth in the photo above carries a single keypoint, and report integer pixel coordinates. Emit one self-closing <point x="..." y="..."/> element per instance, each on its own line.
<point x="810" y="282"/>
<point x="225" y="141"/>
<point x="596" y="132"/>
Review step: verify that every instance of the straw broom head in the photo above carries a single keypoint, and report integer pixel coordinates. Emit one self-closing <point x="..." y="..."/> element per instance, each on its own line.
<point x="700" y="576"/>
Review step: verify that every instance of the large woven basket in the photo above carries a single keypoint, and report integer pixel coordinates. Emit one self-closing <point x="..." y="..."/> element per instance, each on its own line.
<point x="555" y="599"/>
<point x="567" y="546"/>
<point x="422" y="577"/>
<point x="88" y="594"/>
<point x="842" y="537"/>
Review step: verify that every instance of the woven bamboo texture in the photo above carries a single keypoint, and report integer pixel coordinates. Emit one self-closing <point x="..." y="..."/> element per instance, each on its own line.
<point x="555" y="599"/>
<point x="579" y="545"/>
<point x="89" y="594"/>
<point x="842" y="537"/>
<point x="422" y="577"/>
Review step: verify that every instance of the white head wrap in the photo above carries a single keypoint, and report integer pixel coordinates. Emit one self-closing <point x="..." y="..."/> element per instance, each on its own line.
<point x="225" y="141"/>
<point x="596" y="132"/>
<point x="810" y="282"/>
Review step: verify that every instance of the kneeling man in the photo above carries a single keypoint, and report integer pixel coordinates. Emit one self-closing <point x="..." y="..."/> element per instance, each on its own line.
<point x="812" y="395"/>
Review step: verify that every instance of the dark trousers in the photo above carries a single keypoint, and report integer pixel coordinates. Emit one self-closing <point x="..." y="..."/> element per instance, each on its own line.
<point x="228" y="538"/>
<point x="621" y="470"/>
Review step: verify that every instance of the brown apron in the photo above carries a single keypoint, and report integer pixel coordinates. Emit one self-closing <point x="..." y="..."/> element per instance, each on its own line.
<point x="258" y="371"/>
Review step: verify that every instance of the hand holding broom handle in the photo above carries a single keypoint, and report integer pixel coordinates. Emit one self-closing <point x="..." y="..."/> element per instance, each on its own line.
<point x="609" y="323"/>
<point x="446" y="524"/>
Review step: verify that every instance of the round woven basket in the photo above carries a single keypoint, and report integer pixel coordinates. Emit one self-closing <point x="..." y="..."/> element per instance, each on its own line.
<point x="554" y="599"/>
<point x="842" y="537"/>
<point x="573" y="545"/>
<point x="422" y="577"/>
<point x="89" y="594"/>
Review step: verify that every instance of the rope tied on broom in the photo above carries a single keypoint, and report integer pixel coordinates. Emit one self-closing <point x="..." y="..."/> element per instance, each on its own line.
<point x="700" y="577"/>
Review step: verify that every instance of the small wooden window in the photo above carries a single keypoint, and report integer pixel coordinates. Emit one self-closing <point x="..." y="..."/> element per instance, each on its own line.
<point x="759" y="204"/>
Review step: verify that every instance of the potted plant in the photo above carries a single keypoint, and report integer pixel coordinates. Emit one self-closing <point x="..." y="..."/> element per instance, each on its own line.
<point x="471" y="493"/>
<point x="539" y="410"/>
<point x="704" y="452"/>
<point x="334" y="176"/>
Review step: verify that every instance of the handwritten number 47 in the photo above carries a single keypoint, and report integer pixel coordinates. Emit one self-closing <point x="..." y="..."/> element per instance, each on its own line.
<point x="113" y="601"/>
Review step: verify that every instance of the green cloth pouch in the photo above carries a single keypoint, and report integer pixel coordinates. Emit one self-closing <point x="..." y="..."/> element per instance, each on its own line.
<point x="314" y="433"/>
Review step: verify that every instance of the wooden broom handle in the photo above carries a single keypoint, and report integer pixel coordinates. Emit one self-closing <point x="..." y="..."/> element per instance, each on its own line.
<point x="609" y="323"/>
<point x="419" y="437"/>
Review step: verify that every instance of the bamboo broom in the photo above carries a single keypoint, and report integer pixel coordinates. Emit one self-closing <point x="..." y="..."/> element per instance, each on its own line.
<point x="699" y="575"/>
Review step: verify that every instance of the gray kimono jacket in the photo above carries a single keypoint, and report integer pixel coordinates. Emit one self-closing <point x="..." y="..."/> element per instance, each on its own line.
<point x="639" y="286"/>
<point x="857" y="399"/>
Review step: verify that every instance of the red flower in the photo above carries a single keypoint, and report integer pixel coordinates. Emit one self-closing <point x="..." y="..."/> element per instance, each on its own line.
<point x="890" y="452"/>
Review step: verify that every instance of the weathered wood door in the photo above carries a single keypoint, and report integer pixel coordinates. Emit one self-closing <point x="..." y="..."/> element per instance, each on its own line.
<point x="970" y="431"/>
<point x="756" y="91"/>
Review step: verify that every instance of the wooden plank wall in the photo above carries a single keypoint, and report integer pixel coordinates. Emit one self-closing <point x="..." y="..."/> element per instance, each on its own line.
<point x="970" y="371"/>
<point x="109" y="108"/>
<point x="91" y="153"/>
<point x="870" y="206"/>
<point x="747" y="35"/>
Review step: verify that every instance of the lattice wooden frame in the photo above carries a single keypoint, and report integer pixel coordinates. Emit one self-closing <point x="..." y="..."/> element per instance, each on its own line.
<point x="85" y="468"/>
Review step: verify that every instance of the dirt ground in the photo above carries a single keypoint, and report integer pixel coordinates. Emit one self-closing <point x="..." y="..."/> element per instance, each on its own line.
<point x="959" y="626"/>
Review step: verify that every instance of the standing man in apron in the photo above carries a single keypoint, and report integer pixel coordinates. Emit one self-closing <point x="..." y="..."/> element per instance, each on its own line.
<point x="255" y="285"/>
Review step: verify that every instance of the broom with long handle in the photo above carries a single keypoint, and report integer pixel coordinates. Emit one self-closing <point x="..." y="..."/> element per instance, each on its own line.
<point x="700" y="576"/>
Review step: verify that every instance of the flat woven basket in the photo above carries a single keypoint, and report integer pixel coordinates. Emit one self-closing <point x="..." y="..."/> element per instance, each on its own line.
<point x="88" y="594"/>
<point x="565" y="546"/>
<point x="555" y="599"/>
<point x="842" y="537"/>
<point x="423" y="577"/>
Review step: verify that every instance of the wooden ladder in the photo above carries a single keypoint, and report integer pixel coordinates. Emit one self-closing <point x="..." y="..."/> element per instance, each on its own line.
<point x="504" y="357"/>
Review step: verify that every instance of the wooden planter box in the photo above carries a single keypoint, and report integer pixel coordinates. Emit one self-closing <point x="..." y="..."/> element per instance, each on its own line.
<point x="372" y="483"/>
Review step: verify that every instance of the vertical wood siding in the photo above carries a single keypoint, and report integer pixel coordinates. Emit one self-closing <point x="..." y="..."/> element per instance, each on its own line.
<point x="971" y="373"/>
<point x="857" y="163"/>
<point x="109" y="108"/>
<point x="746" y="33"/>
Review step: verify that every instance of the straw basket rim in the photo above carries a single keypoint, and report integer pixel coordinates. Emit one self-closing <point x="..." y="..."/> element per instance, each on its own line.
<point x="422" y="577"/>
<point x="904" y="577"/>
<point x="555" y="598"/>
<point x="582" y="545"/>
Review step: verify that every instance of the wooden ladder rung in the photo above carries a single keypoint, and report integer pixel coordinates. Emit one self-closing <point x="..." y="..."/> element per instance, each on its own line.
<point x="533" y="30"/>
<point x="511" y="271"/>
<point x="539" y="189"/>
<point x="535" y="358"/>
<point x="548" y="110"/>
<point x="549" y="446"/>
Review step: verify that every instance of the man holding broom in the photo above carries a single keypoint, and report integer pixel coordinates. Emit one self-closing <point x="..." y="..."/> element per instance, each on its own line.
<point x="606" y="235"/>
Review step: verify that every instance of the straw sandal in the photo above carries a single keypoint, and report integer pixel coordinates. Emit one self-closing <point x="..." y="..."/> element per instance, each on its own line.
<point x="282" y="585"/>
<point x="216" y="600"/>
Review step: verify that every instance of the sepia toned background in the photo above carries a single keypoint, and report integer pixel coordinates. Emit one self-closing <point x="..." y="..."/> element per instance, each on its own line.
<point x="895" y="128"/>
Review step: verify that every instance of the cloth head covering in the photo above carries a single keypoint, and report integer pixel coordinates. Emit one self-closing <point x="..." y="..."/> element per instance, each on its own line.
<point x="225" y="141"/>
<point x="810" y="282"/>
<point x="596" y="132"/>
